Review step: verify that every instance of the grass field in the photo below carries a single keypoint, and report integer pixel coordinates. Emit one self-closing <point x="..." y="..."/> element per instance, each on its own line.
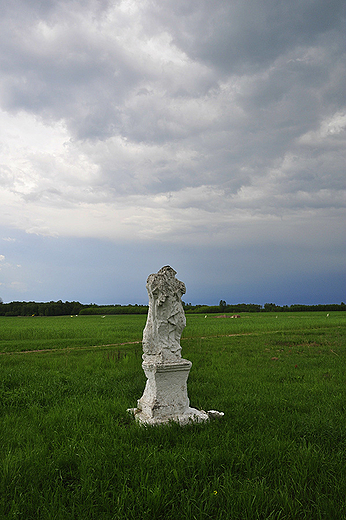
<point x="69" y="450"/>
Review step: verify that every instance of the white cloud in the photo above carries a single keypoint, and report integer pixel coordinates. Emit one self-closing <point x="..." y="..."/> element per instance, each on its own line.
<point x="330" y="128"/>
<point x="18" y="287"/>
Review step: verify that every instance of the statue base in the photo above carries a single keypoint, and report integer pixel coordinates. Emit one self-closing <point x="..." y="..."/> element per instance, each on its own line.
<point x="165" y="395"/>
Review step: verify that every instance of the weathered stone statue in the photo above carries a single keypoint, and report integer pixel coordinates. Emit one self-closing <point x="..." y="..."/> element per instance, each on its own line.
<point x="166" y="319"/>
<point x="165" y="395"/>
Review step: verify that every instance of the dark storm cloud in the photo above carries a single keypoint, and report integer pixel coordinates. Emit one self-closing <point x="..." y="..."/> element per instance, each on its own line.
<point x="238" y="36"/>
<point x="57" y="64"/>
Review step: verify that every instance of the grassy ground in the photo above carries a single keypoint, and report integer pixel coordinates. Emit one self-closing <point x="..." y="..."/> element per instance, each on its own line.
<point x="69" y="450"/>
<point x="58" y="332"/>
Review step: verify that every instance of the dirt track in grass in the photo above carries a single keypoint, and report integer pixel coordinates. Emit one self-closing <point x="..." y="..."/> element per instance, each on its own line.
<point x="38" y="351"/>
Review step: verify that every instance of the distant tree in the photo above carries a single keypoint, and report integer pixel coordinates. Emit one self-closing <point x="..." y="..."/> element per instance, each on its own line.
<point x="270" y="307"/>
<point x="222" y="305"/>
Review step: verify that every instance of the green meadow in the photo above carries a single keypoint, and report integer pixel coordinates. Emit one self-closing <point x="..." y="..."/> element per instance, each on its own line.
<point x="69" y="450"/>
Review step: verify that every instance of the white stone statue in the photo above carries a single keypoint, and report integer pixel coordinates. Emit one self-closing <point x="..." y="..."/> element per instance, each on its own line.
<point x="165" y="395"/>
<point x="166" y="319"/>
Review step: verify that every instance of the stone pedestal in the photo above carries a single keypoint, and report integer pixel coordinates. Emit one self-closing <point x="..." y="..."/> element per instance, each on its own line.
<point x="165" y="395"/>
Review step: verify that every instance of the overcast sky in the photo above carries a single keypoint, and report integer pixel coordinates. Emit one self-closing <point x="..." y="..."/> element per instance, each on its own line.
<point x="207" y="135"/>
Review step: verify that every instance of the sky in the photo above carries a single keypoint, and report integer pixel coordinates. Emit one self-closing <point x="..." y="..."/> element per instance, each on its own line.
<point x="209" y="136"/>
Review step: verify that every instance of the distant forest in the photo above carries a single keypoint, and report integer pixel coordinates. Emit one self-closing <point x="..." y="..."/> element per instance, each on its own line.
<point x="61" y="308"/>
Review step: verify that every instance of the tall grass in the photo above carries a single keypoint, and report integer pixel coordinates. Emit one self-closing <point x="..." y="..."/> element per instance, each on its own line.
<point x="30" y="333"/>
<point x="69" y="450"/>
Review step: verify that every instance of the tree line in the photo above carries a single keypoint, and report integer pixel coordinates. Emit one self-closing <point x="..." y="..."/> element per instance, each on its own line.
<point x="271" y="307"/>
<point x="52" y="308"/>
<point x="60" y="308"/>
<point x="114" y="309"/>
<point x="224" y="307"/>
